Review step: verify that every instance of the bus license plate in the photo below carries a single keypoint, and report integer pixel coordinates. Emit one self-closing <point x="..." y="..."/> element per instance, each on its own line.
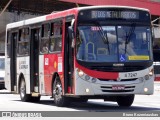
<point x="118" y="87"/>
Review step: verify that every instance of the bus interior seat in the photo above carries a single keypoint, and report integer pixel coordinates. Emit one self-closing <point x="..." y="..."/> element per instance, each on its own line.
<point x="90" y="51"/>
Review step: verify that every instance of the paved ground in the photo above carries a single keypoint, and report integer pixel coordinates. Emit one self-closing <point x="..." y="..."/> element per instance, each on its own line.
<point x="11" y="102"/>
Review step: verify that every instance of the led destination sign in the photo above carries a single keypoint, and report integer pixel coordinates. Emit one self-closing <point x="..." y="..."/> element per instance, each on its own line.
<point x="115" y="14"/>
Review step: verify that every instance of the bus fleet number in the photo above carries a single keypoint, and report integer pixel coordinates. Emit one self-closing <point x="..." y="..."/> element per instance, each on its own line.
<point x="130" y="75"/>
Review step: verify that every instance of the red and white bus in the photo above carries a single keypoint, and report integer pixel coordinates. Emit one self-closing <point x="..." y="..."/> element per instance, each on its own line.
<point x="101" y="52"/>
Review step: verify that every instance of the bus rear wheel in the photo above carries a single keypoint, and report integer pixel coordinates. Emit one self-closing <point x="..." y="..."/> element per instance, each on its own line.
<point x="125" y="101"/>
<point x="22" y="90"/>
<point x="59" y="99"/>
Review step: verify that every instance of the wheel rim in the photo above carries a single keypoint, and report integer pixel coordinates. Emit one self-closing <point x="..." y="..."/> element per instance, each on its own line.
<point x="57" y="91"/>
<point x="22" y="89"/>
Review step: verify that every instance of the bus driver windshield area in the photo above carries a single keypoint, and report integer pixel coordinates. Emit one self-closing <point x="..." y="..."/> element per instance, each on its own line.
<point x="113" y="43"/>
<point x="113" y="36"/>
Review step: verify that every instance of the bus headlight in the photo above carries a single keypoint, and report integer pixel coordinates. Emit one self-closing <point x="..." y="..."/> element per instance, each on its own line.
<point x="146" y="77"/>
<point x="87" y="90"/>
<point x="87" y="77"/>
<point x="80" y="73"/>
<point x="145" y="89"/>
<point x="94" y="80"/>
<point x="151" y="72"/>
<point x="141" y="79"/>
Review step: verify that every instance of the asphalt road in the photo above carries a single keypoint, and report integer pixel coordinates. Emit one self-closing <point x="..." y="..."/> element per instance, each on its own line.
<point x="11" y="102"/>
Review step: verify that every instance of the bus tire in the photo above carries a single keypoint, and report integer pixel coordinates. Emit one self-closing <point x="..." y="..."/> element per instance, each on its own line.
<point x="22" y="90"/>
<point x="59" y="99"/>
<point x="125" y="101"/>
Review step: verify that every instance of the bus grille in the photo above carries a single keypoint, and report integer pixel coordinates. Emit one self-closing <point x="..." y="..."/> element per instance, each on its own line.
<point x="133" y="79"/>
<point x="118" y="69"/>
<point x="109" y="89"/>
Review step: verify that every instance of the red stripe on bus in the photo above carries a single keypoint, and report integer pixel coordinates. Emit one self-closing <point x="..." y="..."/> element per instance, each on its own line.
<point x="61" y="14"/>
<point x="98" y="74"/>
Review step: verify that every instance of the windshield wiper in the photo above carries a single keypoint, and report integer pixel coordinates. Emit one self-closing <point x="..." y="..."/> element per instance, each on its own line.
<point x="128" y="36"/>
<point x="103" y="35"/>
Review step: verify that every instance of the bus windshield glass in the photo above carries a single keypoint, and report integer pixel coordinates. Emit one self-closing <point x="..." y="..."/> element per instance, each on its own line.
<point x="113" y="35"/>
<point x="113" y="43"/>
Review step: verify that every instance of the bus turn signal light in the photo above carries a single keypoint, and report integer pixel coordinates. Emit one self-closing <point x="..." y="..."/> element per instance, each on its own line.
<point x="80" y="72"/>
<point x="151" y="72"/>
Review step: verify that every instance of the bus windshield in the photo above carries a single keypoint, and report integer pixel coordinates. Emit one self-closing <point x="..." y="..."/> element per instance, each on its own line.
<point x="115" y="43"/>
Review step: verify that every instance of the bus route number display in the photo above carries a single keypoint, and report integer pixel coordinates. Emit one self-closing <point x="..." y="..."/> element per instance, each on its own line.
<point x="115" y="14"/>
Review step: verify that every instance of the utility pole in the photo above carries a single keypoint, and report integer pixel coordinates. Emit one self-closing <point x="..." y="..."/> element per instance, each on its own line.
<point x="5" y="7"/>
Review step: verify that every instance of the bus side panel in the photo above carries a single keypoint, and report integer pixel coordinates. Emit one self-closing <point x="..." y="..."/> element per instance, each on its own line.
<point x="23" y="67"/>
<point x="41" y="75"/>
<point x="51" y="65"/>
<point x="7" y="75"/>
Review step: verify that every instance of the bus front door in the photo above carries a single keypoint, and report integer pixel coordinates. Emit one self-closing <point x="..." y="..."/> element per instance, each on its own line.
<point x="13" y="65"/>
<point x="34" y="60"/>
<point x="68" y="61"/>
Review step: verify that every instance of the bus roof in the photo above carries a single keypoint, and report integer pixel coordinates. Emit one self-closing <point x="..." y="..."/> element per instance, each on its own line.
<point x="112" y="6"/>
<point x="42" y="18"/>
<point x="62" y="14"/>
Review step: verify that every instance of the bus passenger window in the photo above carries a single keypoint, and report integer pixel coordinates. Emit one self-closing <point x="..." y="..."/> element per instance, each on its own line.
<point x="45" y="38"/>
<point x="24" y="34"/>
<point x="23" y="48"/>
<point x="8" y="44"/>
<point x="23" y="43"/>
<point x="52" y="45"/>
<point x="44" y="46"/>
<point x="58" y="45"/>
<point x="45" y="30"/>
<point x="56" y="37"/>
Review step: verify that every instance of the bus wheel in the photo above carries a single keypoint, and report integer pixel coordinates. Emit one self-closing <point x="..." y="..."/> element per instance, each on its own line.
<point x="22" y="89"/>
<point x="125" y="101"/>
<point x="59" y="99"/>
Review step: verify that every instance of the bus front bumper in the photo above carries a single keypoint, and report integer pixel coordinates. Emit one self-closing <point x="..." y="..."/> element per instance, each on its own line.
<point x="143" y="87"/>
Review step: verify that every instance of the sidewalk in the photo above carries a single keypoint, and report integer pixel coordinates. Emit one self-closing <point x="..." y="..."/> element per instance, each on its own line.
<point x="4" y="91"/>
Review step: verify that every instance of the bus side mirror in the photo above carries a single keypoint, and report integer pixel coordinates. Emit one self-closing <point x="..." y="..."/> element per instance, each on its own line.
<point x="71" y="32"/>
<point x="71" y="35"/>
